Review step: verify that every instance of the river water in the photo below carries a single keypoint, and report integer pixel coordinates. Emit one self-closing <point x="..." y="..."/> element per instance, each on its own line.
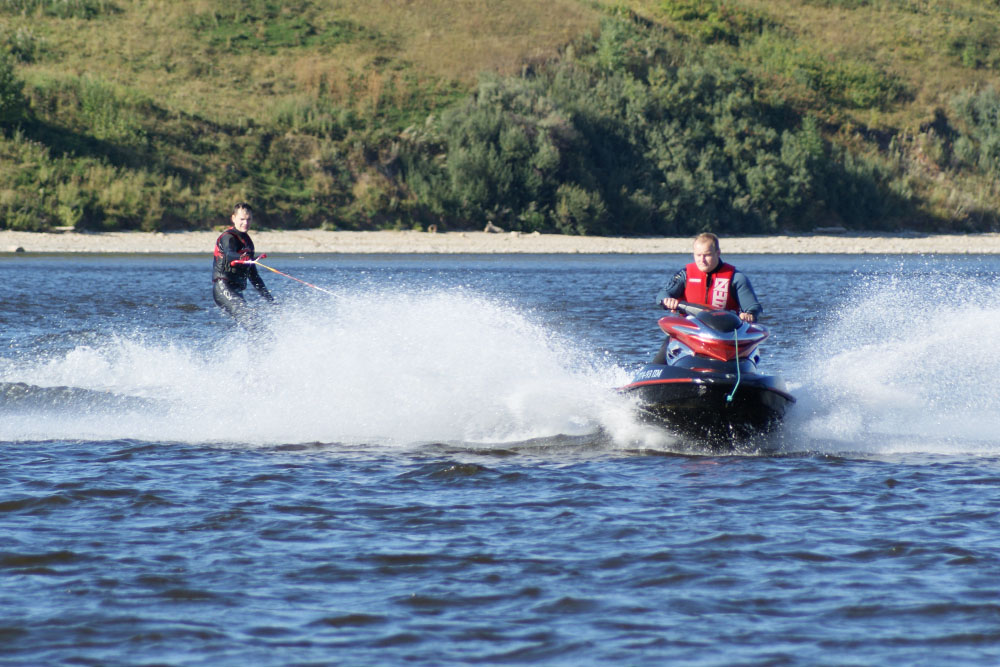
<point x="429" y="465"/>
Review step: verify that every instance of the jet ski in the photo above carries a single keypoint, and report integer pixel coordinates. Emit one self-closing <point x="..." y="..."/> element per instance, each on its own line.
<point x="704" y="382"/>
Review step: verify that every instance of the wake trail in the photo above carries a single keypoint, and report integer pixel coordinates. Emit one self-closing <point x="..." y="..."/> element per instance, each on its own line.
<point x="370" y="367"/>
<point x="908" y="367"/>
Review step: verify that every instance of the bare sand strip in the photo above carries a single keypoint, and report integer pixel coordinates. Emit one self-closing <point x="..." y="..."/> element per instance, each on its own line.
<point x="315" y="241"/>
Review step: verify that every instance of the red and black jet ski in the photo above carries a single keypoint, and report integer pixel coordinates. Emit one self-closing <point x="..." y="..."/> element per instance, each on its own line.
<point x="704" y="380"/>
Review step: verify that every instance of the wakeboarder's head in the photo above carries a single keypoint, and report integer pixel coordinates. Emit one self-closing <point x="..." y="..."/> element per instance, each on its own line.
<point x="242" y="217"/>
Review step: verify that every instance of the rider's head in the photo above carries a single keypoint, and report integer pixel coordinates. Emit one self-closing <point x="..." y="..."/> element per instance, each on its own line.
<point x="241" y="217"/>
<point x="706" y="252"/>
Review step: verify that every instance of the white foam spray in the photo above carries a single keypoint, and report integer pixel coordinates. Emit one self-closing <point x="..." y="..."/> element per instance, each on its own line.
<point x="907" y="366"/>
<point x="367" y="367"/>
<point x="904" y="367"/>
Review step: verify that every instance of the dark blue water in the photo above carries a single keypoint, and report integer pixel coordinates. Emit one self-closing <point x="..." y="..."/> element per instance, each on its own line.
<point x="432" y="467"/>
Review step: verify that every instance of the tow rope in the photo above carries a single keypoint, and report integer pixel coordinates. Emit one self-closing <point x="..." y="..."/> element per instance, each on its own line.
<point x="264" y="266"/>
<point x="736" y="338"/>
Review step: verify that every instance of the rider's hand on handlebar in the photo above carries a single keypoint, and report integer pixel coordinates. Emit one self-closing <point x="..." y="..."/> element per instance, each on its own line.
<point x="670" y="304"/>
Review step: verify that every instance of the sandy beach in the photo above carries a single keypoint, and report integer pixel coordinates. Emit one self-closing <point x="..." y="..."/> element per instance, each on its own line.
<point x="316" y="241"/>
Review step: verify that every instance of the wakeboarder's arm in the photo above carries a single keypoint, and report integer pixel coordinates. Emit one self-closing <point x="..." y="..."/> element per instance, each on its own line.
<point x="258" y="283"/>
<point x="231" y="248"/>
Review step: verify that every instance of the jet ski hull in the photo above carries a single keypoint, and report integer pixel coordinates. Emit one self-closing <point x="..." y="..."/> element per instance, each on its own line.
<point x="710" y="405"/>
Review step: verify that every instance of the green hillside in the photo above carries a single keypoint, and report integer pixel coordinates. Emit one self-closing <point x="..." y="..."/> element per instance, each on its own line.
<point x="642" y="117"/>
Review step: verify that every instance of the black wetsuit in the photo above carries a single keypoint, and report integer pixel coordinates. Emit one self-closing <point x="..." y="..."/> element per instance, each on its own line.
<point x="228" y="281"/>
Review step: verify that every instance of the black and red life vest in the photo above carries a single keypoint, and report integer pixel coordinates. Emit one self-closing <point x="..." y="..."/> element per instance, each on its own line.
<point x="226" y="251"/>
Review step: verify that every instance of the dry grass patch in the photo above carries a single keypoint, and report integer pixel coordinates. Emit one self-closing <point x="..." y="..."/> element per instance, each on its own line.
<point x="176" y="53"/>
<point x="460" y="39"/>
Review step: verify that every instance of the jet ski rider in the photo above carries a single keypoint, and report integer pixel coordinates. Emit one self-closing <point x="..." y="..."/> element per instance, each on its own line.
<point x="228" y="280"/>
<point x="711" y="282"/>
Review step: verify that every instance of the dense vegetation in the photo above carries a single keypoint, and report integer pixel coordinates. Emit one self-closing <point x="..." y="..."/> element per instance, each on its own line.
<point x="648" y="117"/>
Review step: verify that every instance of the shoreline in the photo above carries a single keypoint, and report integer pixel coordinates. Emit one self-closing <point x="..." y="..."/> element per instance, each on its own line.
<point x="412" y="242"/>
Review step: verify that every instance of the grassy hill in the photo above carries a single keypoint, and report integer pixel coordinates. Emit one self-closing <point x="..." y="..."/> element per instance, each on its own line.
<point x="638" y="117"/>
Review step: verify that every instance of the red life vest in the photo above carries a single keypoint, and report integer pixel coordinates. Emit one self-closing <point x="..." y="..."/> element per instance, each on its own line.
<point x="713" y="289"/>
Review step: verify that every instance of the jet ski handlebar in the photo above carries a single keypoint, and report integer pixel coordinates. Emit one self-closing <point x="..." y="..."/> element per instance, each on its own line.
<point x="689" y="308"/>
<point x="717" y="319"/>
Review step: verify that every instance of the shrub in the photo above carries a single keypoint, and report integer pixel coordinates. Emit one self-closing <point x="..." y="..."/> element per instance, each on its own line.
<point x="589" y="147"/>
<point x="579" y="211"/>
<point x="979" y="144"/>
<point x="95" y="108"/>
<point x="503" y="152"/>
<point x="977" y="47"/>
<point x="108" y="113"/>
<point x="12" y="101"/>
<point x="855" y="85"/>
<point x="715" y="21"/>
<point x="22" y="44"/>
